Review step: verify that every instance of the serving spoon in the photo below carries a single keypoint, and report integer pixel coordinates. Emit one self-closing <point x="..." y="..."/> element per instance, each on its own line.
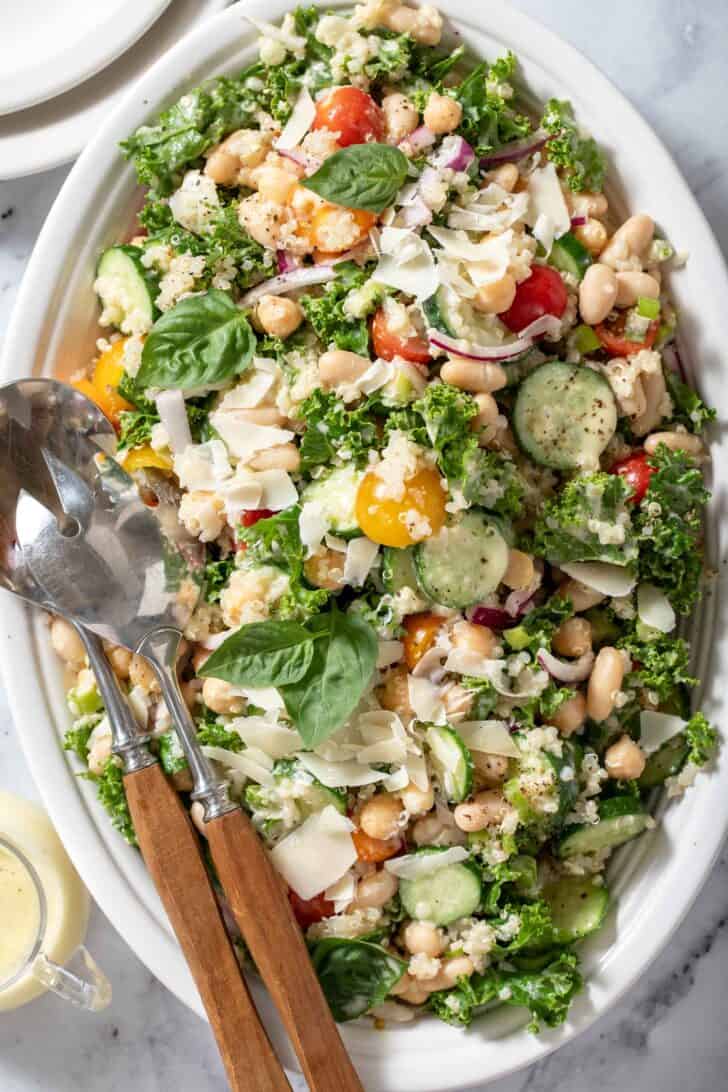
<point x="43" y="426"/>
<point x="119" y="573"/>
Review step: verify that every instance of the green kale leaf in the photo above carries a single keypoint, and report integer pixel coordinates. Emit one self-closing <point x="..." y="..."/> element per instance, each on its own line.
<point x="335" y="433"/>
<point x="326" y="313"/>
<point x="489" y="121"/>
<point x="578" y="156"/>
<point x="110" y="789"/>
<point x="660" y="663"/>
<point x="440" y="420"/>
<point x="688" y="407"/>
<point x="215" y="577"/>
<point x="491" y="480"/>
<point x="702" y="739"/>
<point x="277" y="541"/>
<point x="211" y="732"/>
<point x="562" y="531"/>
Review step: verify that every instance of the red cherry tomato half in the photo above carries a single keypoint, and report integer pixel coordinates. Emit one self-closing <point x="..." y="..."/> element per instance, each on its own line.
<point x="388" y="345"/>
<point x="352" y="114"/>
<point x="544" y="293"/>
<point x="637" y="472"/>
<point x="251" y="518"/>
<point x="613" y="339"/>
<point x="309" y="911"/>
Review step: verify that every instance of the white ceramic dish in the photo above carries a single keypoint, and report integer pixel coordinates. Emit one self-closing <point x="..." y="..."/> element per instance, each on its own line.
<point x="53" y="330"/>
<point x="44" y="136"/>
<point x="47" y="47"/>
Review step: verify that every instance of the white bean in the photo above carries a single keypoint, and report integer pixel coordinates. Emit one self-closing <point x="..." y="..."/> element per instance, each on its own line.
<point x="340" y="366"/>
<point x="597" y="293"/>
<point x="381" y="817"/>
<point x="520" y="571"/>
<point x="66" y="642"/>
<point x="675" y="441"/>
<point x="423" y="938"/>
<point x="280" y="457"/>
<point x="630" y="242"/>
<point x="570" y="715"/>
<point x="469" y="375"/>
<point x="400" y="117"/>
<point x="474" y="638"/>
<point x="604" y="683"/>
<point x="496" y="297"/>
<point x="375" y="890"/>
<point x="632" y="285"/>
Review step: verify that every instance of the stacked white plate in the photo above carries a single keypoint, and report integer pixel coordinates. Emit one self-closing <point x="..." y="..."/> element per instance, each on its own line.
<point x="62" y="67"/>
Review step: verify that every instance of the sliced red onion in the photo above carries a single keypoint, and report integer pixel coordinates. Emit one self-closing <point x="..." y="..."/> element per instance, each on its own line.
<point x="309" y="162"/>
<point x="493" y="617"/>
<point x="566" y="671"/>
<point x="673" y="360"/>
<point x="420" y="139"/>
<point x="516" y="603"/>
<point x="286" y="262"/>
<point x="546" y="324"/>
<point x="457" y="156"/>
<point x="578" y="221"/>
<point x="173" y="415"/>
<point x="290" y="282"/>
<point x="512" y="153"/>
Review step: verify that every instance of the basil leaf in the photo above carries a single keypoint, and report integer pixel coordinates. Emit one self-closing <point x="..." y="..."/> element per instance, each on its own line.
<point x="362" y="176"/>
<point x="344" y="658"/>
<point x="262" y="654"/>
<point x="355" y="975"/>
<point x="201" y="341"/>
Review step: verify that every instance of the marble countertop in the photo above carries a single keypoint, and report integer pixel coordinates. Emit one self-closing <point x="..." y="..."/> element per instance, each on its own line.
<point x="668" y="1033"/>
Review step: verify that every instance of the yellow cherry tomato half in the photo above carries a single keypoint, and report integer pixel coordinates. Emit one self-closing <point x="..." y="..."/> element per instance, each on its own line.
<point x="420" y="631"/>
<point x="419" y="514"/>
<point x="102" y="387"/>
<point x="144" y="457"/>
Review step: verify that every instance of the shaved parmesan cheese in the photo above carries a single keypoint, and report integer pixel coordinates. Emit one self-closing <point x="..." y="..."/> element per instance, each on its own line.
<point x="300" y="121"/>
<point x="278" y="491"/>
<point x="253" y="763"/>
<point x="342" y="892"/>
<point x="338" y="545"/>
<point x="241" y="493"/>
<point x="339" y="775"/>
<point x="489" y="736"/>
<point x="430" y="666"/>
<point x="389" y="653"/>
<point x="547" y="209"/>
<point x="492" y="209"/>
<point x="245" y="439"/>
<point x="424" y="697"/>
<point x="173" y="416"/>
<point x="613" y="580"/>
<point x="271" y="738"/>
<point x="317" y="854"/>
<point x="265" y="697"/>
<point x="360" y="556"/>
<point x="203" y="466"/>
<point x="527" y="683"/>
<point x="414" y="865"/>
<point x="398" y="779"/>
<point x="417" y="770"/>
<point x="312" y="525"/>
<point x="216" y="639"/>
<point x="379" y="724"/>
<point x="655" y="609"/>
<point x="657" y="728"/>
<point x="251" y="391"/>
<point x="139" y="703"/>
<point x="406" y="263"/>
<point x="387" y="751"/>
<point x="377" y="375"/>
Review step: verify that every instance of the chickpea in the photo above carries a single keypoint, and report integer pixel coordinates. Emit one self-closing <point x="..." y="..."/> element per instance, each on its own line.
<point x="520" y="571"/>
<point x="410" y="990"/>
<point x="604" y="683"/>
<point x="675" y="441"/>
<point x="452" y="970"/>
<point x="469" y="375"/>
<point x="585" y="203"/>
<point x="597" y="293"/>
<point x="66" y="643"/>
<point x="581" y="597"/>
<point x="629" y="244"/>
<point x="120" y="660"/>
<point x="624" y="760"/>
<point x="593" y="236"/>
<point x="280" y="457"/>
<point x="422" y="24"/>
<point x="487" y="809"/>
<point x="262" y="219"/>
<point x="325" y="570"/>
<point x="570" y="715"/>
<point x="222" y="166"/>
<point x="426" y="831"/>
<point x="394" y="693"/>
<point x="278" y="316"/>
<point x="420" y="937"/>
<point x="400" y="117"/>
<point x="141" y="674"/>
<point x="197" y="815"/>
<point x="375" y="890"/>
<point x="474" y="638"/>
<point x="492" y="770"/>
<point x="496" y="297"/>
<point x="573" y="637"/>
<point x="340" y="366"/>
<point x="442" y="113"/>
<point x="217" y="695"/>
<point x="505" y="176"/>
<point x="261" y="415"/>
<point x="381" y="817"/>
<point x="417" y="801"/>
<point x="274" y="183"/>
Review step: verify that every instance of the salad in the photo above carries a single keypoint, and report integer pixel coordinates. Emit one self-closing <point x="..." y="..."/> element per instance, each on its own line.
<point x="414" y="392"/>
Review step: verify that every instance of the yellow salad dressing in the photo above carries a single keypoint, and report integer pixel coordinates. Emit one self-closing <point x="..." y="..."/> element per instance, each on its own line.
<point x="28" y="829"/>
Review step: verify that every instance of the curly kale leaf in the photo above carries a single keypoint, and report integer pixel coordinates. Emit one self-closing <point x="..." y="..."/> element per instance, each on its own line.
<point x="335" y="433"/>
<point x="215" y="577"/>
<point x="163" y="150"/>
<point x="326" y="313"/>
<point x="702" y="739"/>
<point x="660" y="664"/>
<point x="277" y="541"/>
<point x="669" y="524"/>
<point x="540" y="624"/>
<point x="441" y="420"/>
<point x="546" y="993"/>
<point x="491" y="480"/>
<point x="572" y="526"/>
<point x="488" y="120"/>
<point x="688" y="407"/>
<point x="213" y="733"/>
<point x="578" y="156"/>
<point x="136" y="425"/>
<point x="77" y="737"/>
<point x="110" y="788"/>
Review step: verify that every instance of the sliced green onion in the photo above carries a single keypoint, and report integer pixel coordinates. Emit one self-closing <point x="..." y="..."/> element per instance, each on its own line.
<point x="647" y="307"/>
<point x="585" y="340"/>
<point x="636" y="326"/>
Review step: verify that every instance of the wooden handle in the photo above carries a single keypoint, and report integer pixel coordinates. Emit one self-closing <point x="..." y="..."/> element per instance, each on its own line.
<point x="265" y="918"/>
<point x="172" y="854"/>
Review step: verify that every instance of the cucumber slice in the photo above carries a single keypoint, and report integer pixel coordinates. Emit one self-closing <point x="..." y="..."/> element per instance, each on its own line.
<point x="452" y="762"/>
<point x="398" y="569"/>
<point x="435" y="310"/>
<point x="464" y="563"/>
<point x="568" y="255"/>
<point x="568" y="787"/>
<point x="444" y="896"/>
<point x="564" y="416"/>
<point x="127" y="289"/>
<point x="620" y="820"/>
<point x="336" y="493"/>
<point x="578" y="907"/>
<point x="666" y="761"/>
